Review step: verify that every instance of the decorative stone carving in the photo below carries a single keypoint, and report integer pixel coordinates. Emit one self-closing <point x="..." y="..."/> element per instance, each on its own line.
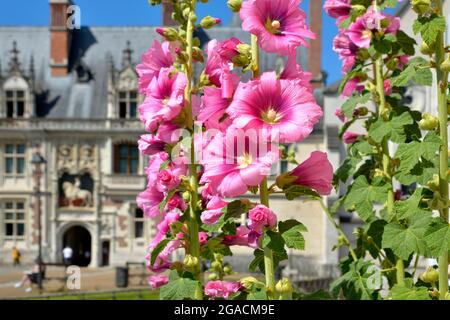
<point x="76" y="191"/>
<point x="75" y="159"/>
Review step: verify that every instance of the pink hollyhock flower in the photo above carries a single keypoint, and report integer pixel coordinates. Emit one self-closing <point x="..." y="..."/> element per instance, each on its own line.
<point x="351" y="86"/>
<point x="203" y="237"/>
<point x="279" y="25"/>
<point x="292" y="71"/>
<point x="316" y="172"/>
<point x="338" y="9"/>
<point x="235" y="162"/>
<point x="149" y="201"/>
<point x="343" y="45"/>
<point x="260" y="217"/>
<point x="214" y="210"/>
<point x="351" y="137"/>
<point x="348" y="63"/>
<point x="157" y="57"/>
<point x="168" y="133"/>
<point x="165" y="99"/>
<point x="164" y="226"/>
<point x="387" y="87"/>
<point x="162" y="262"/>
<point x="176" y="202"/>
<point x="221" y="289"/>
<point x="228" y="49"/>
<point x="280" y="108"/>
<point x="341" y="116"/>
<point x="361" y="31"/>
<point x="213" y="66"/>
<point x="167" y="180"/>
<point x="158" y="281"/>
<point x="403" y="61"/>
<point x="243" y="237"/>
<point x="212" y="110"/>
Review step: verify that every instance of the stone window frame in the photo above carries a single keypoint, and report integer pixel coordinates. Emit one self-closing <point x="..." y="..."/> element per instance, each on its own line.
<point x="14" y="208"/>
<point x="15" y="156"/>
<point x="127" y="97"/>
<point x="117" y="158"/>
<point x="138" y="220"/>
<point x="13" y="97"/>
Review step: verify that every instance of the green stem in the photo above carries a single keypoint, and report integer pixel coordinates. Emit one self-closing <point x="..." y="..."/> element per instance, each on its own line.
<point x="194" y="244"/>
<point x="442" y="82"/>
<point x="386" y="158"/>
<point x="338" y="229"/>
<point x="264" y="193"/>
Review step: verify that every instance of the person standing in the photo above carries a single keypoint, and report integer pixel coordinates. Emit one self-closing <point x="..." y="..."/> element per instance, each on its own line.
<point x="15" y="256"/>
<point x="67" y="254"/>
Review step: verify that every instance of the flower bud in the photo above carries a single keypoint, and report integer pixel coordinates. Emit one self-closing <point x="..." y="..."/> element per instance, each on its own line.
<point x="170" y="34"/>
<point x="208" y="22"/>
<point x="431" y="275"/>
<point x="425" y="49"/>
<point x="186" y="196"/>
<point x="363" y="111"/>
<point x="177" y="265"/>
<point x="216" y="265"/>
<point x="227" y="270"/>
<point x="358" y="9"/>
<point x="363" y="54"/>
<point x="392" y="64"/>
<point x="249" y="282"/>
<point x="284" y="288"/>
<point x="445" y="66"/>
<point x="197" y="54"/>
<point x="190" y="261"/>
<point x="154" y="2"/>
<point x="433" y="184"/>
<point x="428" y="122"/>
<point x="421" y="6"/>
<point x="234" y="5"/>
<point x="213" y="276"/>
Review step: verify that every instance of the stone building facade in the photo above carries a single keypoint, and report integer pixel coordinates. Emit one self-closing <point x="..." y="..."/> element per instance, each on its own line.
<point x="72" y="94"/>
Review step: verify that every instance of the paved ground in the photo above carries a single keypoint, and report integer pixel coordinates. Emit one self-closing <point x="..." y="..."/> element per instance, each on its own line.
<point x="102" y="279"/>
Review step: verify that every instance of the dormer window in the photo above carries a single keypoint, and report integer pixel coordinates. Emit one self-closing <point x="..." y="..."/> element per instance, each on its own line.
<point x="15" y="103"/>
<point x="128" y="101"/>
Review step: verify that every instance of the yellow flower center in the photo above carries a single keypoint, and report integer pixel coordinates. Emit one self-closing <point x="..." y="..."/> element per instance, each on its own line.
<point x="245" y="160"/>
<point x="273" y="26"/>
<point x="366" y="34"/>
<point x="270" y="116"/>
<point x="165" y="102"/>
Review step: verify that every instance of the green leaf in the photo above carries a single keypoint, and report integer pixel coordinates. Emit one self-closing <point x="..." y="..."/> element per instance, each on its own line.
<point x="179" y="288"/>
<point x="417" y="71"/>
<point x="362" y="196"/>
<point x="284" y="226"/>
<point x="407" y="237"/>
<point x="258" y="261"/>
<point x="406" y="42"/>
<point x="296" y="191"/>
<point x="354" y="283"/>
<point x="293" y="237"/>
<point x="157" y="250"/>
<point x="429" y="27"/>
<point x="349" y="106"/>
<point x="415" y="156"/>
<point x="346" y="170"/>
<point x="402" y="292"/>
<point x="405" y="208"/>
<point x="437" y="237"/>
<point x="273" y="240"/>
<point x="257" y="294"/>
<point x="394" y="129"/>
<point x="236" y="208"/>
<point x="375" y="230"/>
<point x="348" y="76"/>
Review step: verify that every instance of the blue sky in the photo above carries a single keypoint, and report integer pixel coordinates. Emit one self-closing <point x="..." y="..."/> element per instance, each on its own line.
<point x="139" y="12"/>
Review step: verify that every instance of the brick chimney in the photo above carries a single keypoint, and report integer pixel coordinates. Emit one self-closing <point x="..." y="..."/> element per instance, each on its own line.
<point x="315" y="50"/>
<point x="60" y="38"/>
<point x="167" y="13"/>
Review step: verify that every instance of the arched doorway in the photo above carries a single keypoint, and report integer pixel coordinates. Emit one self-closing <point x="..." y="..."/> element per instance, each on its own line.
<point x="79" y="240"/>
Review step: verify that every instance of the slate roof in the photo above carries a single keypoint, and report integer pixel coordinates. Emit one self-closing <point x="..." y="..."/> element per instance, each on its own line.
<point x="65" y="97"/>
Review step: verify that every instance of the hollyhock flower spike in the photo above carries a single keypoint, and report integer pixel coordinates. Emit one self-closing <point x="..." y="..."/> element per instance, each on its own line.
<point x="283" y="109"/>
<point x="157" y="57"/>
<point x="316" y="172"/>
<point x="279" y="25"/>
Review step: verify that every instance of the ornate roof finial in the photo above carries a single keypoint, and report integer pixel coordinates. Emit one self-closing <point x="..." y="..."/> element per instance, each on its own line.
<point x="127" y="56"/>
<point x="14" y="64"/>
<point x="31" y="71"/>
